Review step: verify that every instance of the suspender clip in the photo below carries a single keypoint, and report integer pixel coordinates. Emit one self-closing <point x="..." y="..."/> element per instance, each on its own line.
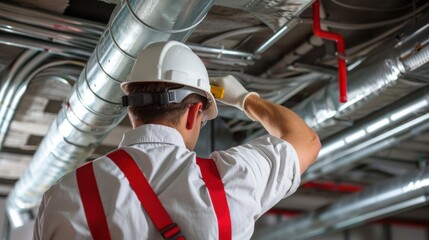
<point x="172" y="232"/>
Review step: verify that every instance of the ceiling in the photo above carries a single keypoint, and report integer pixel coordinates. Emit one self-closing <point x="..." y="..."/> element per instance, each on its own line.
<point x="373" y="143"/>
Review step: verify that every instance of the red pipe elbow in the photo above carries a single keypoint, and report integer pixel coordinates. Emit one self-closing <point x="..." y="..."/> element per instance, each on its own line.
<point x="341" y="51"/>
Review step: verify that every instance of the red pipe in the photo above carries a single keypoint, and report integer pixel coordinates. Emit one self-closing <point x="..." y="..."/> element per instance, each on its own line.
<point x="284" y="212"/>
<point x="333" y="187"/>
<point x="405" y="223"/>
<point x="387" y="221"/>
<point x="341" y="51"/>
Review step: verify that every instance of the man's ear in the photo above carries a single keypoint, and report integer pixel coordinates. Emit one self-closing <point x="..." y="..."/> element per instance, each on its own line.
<point x="192" y="115"/>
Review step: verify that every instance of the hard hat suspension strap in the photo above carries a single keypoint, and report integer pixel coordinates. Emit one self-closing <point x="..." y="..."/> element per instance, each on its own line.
<point x="172" y="96"/>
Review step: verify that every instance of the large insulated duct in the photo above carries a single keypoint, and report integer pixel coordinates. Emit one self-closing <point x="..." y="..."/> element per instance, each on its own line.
<point x="94" y="108"/>
<point x="376" y="82"/>
<point x="402" y="193"/>
<point x="402" y="121"/>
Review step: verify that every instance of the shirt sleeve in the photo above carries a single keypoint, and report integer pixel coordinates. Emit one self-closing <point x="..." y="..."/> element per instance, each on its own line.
<point x="60" y="213"/>
<point x="266" y="169"/>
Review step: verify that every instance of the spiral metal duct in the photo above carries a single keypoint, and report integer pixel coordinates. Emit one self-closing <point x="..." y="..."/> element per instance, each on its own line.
<point x="93" y="108"/>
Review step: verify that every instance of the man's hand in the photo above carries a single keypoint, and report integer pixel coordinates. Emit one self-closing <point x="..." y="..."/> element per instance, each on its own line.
<point x="235" y="94"/>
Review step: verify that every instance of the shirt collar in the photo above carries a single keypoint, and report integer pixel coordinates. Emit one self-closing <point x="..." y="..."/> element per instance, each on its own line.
<point x="153" y="133"/>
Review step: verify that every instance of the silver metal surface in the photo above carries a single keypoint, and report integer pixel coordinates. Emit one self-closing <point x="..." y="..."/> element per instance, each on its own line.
<point x="48" y="35"/>
<point x="40" y="45"/>
<point x="219" y="52"/>
<point x="16" y="80"/>
<point x="274" y="13"/>
<point x="362" y="140"/>
<point x="94" y="108"/>
<point x="377" y="82"/>
<point x="356" y="152"/>
<point x="75" y="38"/>
<point x="405" y="192"/>
<point x="50" y="21"/>
<point x="276" y="36"/>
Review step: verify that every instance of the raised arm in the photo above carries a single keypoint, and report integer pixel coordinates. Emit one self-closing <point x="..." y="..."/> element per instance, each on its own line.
<point x="279" y="121"/>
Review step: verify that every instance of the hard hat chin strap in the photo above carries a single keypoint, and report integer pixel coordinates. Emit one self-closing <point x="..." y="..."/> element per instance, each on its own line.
<point x="171" y="96"/>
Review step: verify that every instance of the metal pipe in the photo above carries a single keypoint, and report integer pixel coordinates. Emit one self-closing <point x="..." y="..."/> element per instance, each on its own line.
<point x="20" y="61"/>
<point x="17" y="90"/>
<point x="48" y="35"/>
<point x="221" y="51"/>
<point x="12" y="84"/>
<point x="55" y="48"/>
<point x="50" y="21"/>
<point x="383" y="131"/>
<point x="94" y="108"/>
<point x="58" y="40"/>
<point x="341" y="50"/>
<point x="378" y="81"/>
<point x="373" y="127"/>
<point x="277" y="36"/>
<point x="384" y="199"/>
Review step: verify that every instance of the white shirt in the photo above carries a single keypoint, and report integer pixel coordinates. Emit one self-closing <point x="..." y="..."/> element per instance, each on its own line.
<point x="256" y="176"/>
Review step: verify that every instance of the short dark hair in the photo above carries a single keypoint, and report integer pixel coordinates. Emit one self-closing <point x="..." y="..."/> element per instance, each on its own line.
<point x="171" y="112"/>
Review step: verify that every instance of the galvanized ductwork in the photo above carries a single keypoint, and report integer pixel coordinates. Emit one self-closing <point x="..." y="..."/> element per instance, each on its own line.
<point x="274" y="13"/>
<point x="93" y="108"/>
<point x="401" y="122"/>
<point x="406" y="192"/>
<point x="376" y="82"/>
<point x="380" y="80"/>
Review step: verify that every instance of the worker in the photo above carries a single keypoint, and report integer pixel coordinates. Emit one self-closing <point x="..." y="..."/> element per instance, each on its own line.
<point x="155" y="187"/>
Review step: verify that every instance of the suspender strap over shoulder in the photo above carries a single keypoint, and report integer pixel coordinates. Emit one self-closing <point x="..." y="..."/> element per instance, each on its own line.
<point x="96" y="217"/>
<point x="217" y="193"/>
<point x="91" y="202"/>
<point x="146" y="195"/>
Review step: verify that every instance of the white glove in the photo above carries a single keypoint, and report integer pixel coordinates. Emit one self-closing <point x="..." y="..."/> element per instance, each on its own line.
<point x="235" y="94"/>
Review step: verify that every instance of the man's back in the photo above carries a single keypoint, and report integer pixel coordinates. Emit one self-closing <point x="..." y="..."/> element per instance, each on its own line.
<point x="175" y="177"/>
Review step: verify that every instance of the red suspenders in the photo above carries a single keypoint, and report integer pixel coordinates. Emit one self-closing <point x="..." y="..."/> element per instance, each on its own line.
<point x="214" y="184"/>
<point x="91" y="202"/>
<point x="95" y="215"/>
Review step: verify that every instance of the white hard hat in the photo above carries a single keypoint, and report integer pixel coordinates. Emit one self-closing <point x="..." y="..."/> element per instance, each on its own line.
<point x="172" y="62"/>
